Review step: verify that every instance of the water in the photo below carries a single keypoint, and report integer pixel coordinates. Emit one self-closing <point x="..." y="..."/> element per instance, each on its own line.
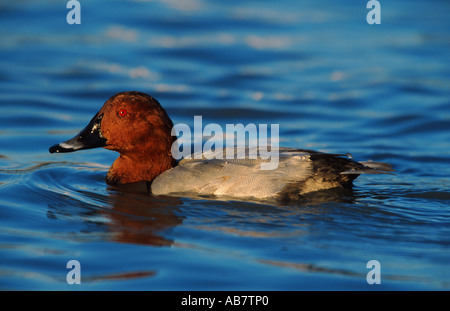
<point x="332" y="82"/>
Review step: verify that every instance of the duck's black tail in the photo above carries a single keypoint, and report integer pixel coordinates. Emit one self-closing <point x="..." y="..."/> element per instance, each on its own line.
<point x="370" y="167"/>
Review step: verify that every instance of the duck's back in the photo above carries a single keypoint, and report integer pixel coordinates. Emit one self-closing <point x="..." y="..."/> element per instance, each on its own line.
<point x="298" y="172"/>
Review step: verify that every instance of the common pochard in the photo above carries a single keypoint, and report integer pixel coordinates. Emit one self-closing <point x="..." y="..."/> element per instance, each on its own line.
<point x="135" y="125"/>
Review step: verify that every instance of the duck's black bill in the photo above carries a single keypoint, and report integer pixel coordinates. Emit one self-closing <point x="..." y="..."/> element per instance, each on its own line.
<point x="90" y="137"/>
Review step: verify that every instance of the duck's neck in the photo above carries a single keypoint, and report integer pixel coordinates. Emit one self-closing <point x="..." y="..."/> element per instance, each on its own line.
<point x="138" y="167"/>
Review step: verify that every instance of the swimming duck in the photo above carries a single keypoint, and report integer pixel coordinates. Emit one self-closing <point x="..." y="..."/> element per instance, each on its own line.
<point x="136" y="126"/>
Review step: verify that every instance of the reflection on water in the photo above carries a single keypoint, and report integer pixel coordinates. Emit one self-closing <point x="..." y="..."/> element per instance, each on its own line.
<point x="128" y="220"/>
<point x="117" y="216"/>
<point x="141" y="219"/>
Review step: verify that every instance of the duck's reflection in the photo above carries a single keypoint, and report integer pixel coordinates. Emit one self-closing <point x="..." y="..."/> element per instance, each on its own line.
<point x="122" y="216"/>
<point x="134" y="216"/>
<point x="141" y="218"/>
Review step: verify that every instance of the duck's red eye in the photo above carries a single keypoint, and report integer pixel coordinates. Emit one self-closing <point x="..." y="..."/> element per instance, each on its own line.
<point x="122" y="112"/>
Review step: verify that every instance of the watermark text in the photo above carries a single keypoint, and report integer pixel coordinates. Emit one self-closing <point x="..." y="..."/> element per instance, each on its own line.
<point x="74" y="15"/>
<point x="236" y="142"/>
<point x="374" y="275"/>
<point x="74" y="275"/>
<point x="374" y="15"/>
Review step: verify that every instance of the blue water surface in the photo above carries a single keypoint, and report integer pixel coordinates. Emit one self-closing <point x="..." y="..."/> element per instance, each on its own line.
<point x="330" y="80"/>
